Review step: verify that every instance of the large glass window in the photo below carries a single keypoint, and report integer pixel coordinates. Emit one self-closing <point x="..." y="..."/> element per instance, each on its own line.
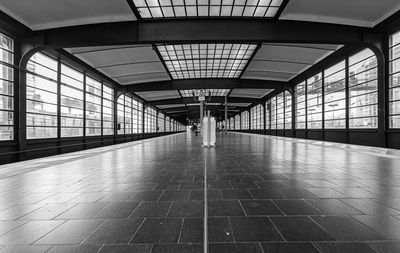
<point x="394" y="81"/>
<point x="273" y="113"/>
<point x="257" y="114"/>
<point x="121" y="114"/>
<point x="93" y="106"/>
<point x="237" y="122"/>
<point x="314" y="102"/>
<point x="128" y="115"/>
<point x="41" y="97"/>
<point x="253" y="118"/>
<point x="161" y="123"/>
<point x="300" y="102"/>
<point x="108" y="110"/>
<point x="280" y="116"/>
<point x="245" y="120"/>
<point x="6" y="88"/>
<point x="288" y="110"/>
<point x="167" y="124"/>
<point x="267" y="114"/>
<point x="335" y="96"/>
<point x="232" y="124"/>
<point x="150" y="120"/>
<point x="363" y="88"/>
<point x="137" y="116"/>
<point x="71" y="102"/>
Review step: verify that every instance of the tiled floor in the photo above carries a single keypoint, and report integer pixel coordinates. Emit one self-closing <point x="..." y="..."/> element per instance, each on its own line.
<point x="263" y="195"/>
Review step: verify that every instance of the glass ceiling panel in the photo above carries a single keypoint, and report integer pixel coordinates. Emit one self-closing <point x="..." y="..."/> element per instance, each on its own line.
<point x="207" y="8"/>
<point x="207" y="92"/>
<point x="206" y="60"/>
<point x="197" y="104"/>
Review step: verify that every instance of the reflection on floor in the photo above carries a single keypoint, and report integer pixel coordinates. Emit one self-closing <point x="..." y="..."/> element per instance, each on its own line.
<point x="264" y="195"/>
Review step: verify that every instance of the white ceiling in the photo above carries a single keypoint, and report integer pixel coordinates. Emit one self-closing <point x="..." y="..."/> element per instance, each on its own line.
<point x="158" y="95"/>
<point x="367" y="13"/>
<point x="125" y="64"/>
<point x="45" y="14"/>
<point x="282" y="62"/>
<point x="250" y="93"/>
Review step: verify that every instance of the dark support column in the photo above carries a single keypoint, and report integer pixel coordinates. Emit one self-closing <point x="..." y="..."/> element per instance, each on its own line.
<point x="379" y="48"/>
<point x="19" y="101"/>
<point x="385" y="89"/>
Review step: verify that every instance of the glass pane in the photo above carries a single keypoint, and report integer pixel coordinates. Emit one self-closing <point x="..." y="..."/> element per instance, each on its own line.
<point x="6" y="133"/>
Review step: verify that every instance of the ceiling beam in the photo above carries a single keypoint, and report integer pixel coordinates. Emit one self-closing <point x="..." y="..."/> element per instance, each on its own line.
<point x="191" y="100"/>
<point x="201" y="30"/>
<point x="228" y="83"/>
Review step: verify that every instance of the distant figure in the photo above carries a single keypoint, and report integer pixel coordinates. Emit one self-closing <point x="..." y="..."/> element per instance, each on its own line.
<point x="222" y="128"/>
<point x="195" y="129"/>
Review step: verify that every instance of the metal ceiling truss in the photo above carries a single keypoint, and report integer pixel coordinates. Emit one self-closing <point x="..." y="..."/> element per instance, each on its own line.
<point x="187" y="84"/>
<point x="191" y="100"/>
<point x="201" y="31"/>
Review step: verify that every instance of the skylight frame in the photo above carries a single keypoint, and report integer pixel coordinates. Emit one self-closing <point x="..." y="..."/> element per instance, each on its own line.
<point x="206" y="60"/>
<point x="212" y="92"/>
<point x="167" y="9"/>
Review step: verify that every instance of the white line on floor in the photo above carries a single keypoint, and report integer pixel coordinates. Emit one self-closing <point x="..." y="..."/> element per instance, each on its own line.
<point x="205" y="204"/>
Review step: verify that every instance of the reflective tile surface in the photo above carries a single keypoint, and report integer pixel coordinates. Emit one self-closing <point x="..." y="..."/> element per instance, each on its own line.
<point x="264" y="194"/>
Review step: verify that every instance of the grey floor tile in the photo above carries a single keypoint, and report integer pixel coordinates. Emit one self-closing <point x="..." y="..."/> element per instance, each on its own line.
<point x="71" y="232"/>
<point x="158" y="230"/>
<point x="115" y="231"/>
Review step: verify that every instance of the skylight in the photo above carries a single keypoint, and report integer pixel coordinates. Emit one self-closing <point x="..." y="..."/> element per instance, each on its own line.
<point x="208" y="92"/>
<point x="197" y="104"/>
<point x="207" y="8"/>
<point x="206" y="60"/>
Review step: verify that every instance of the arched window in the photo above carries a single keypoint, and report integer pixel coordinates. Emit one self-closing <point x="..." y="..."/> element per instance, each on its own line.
<point x="76" y="96"/>
<point x="41" y="97"/>
<point x="363" y="90"/>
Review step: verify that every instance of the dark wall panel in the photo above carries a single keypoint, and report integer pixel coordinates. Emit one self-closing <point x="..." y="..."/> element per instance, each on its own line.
<point x="393" y="140"/>
<point x="44" y="148"/>
<point x="315" y="135"/>
<point x="366" y="138"/>
<point x="336" y="136"/>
